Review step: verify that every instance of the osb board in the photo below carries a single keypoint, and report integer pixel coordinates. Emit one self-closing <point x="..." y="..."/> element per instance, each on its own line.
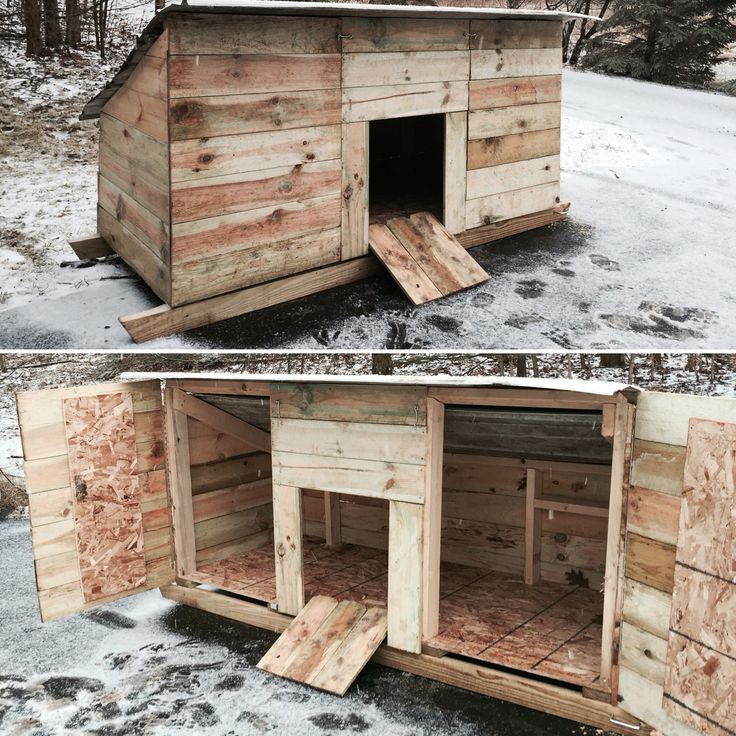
<point x="701" y="656"/>
<point x="107" y="498"/>
<point x="327" y="644"/>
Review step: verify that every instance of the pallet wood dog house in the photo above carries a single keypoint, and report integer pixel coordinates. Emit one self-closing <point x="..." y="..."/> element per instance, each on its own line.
<point x="568" y="546"/>
<point x="257" y="153"/>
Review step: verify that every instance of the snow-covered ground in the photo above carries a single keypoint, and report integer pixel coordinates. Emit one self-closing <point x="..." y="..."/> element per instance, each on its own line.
<point x="644" y="261"/>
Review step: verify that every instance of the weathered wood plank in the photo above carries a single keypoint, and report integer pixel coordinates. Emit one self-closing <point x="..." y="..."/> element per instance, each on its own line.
<point x="371" y="478"/>
<point x="224" y="195"/>
<point x="647" y="608"/>
<point x="404" y="34"/>
<point x="223" y="155"/>
<point x="204" y="33"/>
<point x="654" y="515"/>
<point x="231" y="472"/>
<point x="456" y="153"/>
<point x="495" y="63"/>
<point x="355" y="440"/>
<point x="507" y="177"/>
<point x="405" y="556"/>
<point x="488" y="94"/>
<point x="404" y="67"/>
<point x="287" y="539"/>
<point x="658" y="466"/>
<point x="354" y="218"/>
<point x="237" y="74"/>
<point x="143" y="111"/>
<point x="485" y="210"/>
<point x="511" y="120"/>
<point x="505" y="149"/>
<point x="504" y="33"/>
<point x="235" y="114"/>
<point x="92" y="246"/>
<point x="219" y="530"/>
<point x="226" y="501"/>
<point x="650" y="562"/>
<point x="403" y="100"/>
<point x="134" y="217"/>
<point x="643" y="653"/>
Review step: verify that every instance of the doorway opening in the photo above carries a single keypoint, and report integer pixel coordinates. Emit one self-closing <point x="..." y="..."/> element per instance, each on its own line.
<point x="406" y="166"/>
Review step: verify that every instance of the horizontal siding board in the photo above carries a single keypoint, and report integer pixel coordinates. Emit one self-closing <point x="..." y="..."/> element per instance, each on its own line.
<point x="507" y="177"/>
<point x="650" y="562"/>
<point x="237" y="74"/>
<point x="511" y="120"/>
<point x="355" y="440"/>
<point x="240" y="231"/>
<point x="140" y="110"/>
<point x="647" y="608"/>
<point x="149" y="77"/>
<point x="221" y="529"/>
<point x="201" y="117"/>
<point x="643" y="653"/>
<point x="404" y="34"/>
<point x="654" y="515"/>
<point x="395" y="481"/>
<point x="147" y="264"/>
<point x="487" y="210"/>
<point x="515" y="34"/>
<point x="360" y="104"/>
<point x="204" y="33"/>
<point x="202" y="277"/>
<point x="231" y="472"/>
<point x="495" y="63"/>
<point x="404" y="67"/>
<point x="497" y="150"/>
<point x="488" y="94"/>
<point x="223" y="155"/>
<point x="226" y="501"/>
<point x="658" y="466"/>
<point x="224" y="195"/>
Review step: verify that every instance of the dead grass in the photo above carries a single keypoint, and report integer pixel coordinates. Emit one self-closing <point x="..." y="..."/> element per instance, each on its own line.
<point x="12" y="495"/>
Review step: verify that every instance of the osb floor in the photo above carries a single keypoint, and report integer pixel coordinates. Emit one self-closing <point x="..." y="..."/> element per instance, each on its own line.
<point x="550" y="629"/>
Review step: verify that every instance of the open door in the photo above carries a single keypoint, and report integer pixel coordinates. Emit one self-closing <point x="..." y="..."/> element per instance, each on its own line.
<point x="676" y="662"/>
<point x="98" y="497"/>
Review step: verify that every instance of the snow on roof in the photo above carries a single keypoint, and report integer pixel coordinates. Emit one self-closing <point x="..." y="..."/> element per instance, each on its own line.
<point x="578" y="385"/>
<point x="286" y="7"/>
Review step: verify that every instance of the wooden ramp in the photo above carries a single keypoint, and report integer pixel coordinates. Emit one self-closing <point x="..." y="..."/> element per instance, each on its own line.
<point x="327" y="644"/>
<point x="425" y="259"/>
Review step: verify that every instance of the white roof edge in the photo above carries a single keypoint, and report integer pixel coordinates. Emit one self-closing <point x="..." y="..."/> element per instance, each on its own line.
<point x="334" y="8"/>
<point x="601" y="388"/>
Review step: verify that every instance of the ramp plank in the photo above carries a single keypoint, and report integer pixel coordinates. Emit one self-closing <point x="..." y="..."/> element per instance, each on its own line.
<point x="424" y="257"/>
<point x="405" y="270"/>
<point x="327" y="644"/>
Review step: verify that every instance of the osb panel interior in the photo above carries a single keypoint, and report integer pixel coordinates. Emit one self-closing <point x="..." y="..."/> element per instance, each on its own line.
<point x="107" y="498"/>
<point x="701" y="667"/>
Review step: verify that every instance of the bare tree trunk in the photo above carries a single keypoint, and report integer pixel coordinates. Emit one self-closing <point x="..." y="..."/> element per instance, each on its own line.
<point x="32" y="21"/>
<point x="613" y="360"/>
<point x="535" y="366"/>
<point x="631" y="369"/>
<point x="73" y="24"/>
<point x="521" y="366"/>
<point x="51" y="24"/>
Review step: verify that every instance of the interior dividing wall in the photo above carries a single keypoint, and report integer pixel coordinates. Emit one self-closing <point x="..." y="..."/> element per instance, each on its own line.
<point x="483" y="516"/>
<point x="254" y="115"/>
<point x="513" y="119"/>
<point x="133" y="198"/>
<point x="231" y="489"/>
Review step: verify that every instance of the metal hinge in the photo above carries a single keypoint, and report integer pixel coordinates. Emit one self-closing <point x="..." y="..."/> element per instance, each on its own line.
<point x="631" y="726"/>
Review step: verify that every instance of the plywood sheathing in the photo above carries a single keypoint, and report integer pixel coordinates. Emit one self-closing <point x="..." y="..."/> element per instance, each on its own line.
<point x="701" y="654"/>
<point x="103" y="470"/>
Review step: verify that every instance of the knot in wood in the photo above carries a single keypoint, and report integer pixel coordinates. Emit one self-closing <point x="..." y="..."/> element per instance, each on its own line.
<point x="347" y="192"/>
<point x="280" y="550"/>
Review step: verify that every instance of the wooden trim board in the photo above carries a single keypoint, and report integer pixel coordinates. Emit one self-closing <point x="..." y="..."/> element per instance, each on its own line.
<point x="165" y="320"/>
<point x="482" y="679"/>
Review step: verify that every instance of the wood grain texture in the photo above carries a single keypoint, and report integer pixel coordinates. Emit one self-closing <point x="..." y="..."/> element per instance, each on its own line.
<point x="226" y="195"/>
<point x="488" y="94"/>
<point x="456" y="154"/>
<point x="354" y="216"/>
<point x="287" y="538"/>
<point x="404" y="67"/>
<point x="512" y="120"/>
<point x="509" y="33"/>
<point x="404" y="34"/>
<point x="498" y="207"/>
<point x="495" y="63"/>
<point x="144" y="112"/>
<point x="507" y="177"/>
<point x="107" y="499"/>
<point x="650" y="562"/>
<point x="204" y="33"/>
<point x="231" y="114"/>
<point x="701" y="656"/>
<point x="403" y="100"/>
<point x="236" y="74"/>
<point x="505" y="149"/>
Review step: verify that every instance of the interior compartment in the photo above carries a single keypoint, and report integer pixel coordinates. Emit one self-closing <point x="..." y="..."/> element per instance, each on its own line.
<point x="550" y="627"/>
<point x="406" y="166"/>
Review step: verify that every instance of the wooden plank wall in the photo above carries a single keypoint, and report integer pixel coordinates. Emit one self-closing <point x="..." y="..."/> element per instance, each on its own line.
<point x="254" y="118"/>
<point x="660" y="439"/>
<point x="231" y="494"/>
<point x="133" y="198"/>
<point x="483" y="516"/>
<point x="513" y="119"/>
<point x="41" y="419"/>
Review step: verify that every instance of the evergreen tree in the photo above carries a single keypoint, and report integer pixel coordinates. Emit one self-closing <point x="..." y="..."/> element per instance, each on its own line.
<point x="669" y="41"/>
